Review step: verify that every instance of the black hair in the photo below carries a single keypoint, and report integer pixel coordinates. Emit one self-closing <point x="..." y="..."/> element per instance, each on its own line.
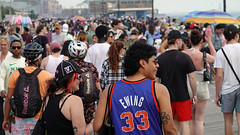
<point x="54" y="85"/>
<point x="230" y="32"/>
<point x="220" y="26"/>
<point x="122" y="36"/>
<point x="115" y="22"/>
<point x="94" y="36"/>
<point x="206" y="24"/>
<point x="109" y="32"/>
<point x="3" y="30"/>
<point x="56" y="49"/>
<point x="101" y="32"/>
<point x="139" y="50"/>
<point x="17" y="29"/>
<point x="26" y="29"/>
<point x="15" y="41"/>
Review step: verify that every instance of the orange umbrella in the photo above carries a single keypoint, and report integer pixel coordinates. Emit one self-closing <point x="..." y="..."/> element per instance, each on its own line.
<point x="78" y="18"/>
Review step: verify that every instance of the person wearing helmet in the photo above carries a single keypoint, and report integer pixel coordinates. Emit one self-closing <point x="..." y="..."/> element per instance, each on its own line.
<point x="77" y="52"/>
<point x="33" y="54"/>
<point x="51" y="62"/>
<point x="10" y="64"/>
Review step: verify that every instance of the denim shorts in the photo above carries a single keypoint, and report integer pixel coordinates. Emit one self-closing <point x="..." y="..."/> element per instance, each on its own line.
<point x="231" y="101"/>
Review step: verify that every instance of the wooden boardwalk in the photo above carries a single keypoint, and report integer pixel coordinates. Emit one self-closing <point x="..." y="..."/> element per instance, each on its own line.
<point x="214" y="123"/>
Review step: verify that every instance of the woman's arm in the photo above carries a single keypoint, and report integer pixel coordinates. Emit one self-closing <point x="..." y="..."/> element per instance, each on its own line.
<point x="77" y="115"/>
<point x="210" y="58"/>
<point x="164" y="46"/>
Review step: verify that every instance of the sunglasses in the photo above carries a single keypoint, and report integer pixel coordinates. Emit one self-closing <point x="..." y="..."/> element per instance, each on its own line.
<point x="79" y="77"/>
<point x="18" y="47"/>
<point x="56" y="28"/>
<point x="124" y="48"/>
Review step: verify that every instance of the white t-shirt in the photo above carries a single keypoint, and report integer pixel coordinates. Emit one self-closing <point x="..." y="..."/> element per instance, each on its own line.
<point x="52" y="64"/>
<point x="230" y="82"/>
<point x="117" y="33"/>
<point x="9" y="65"/>
<point x="9" y="54"/>
<point x="97" y="54"/>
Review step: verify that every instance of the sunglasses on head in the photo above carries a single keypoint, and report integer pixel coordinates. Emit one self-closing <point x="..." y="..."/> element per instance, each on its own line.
<point x="18" y="47"/>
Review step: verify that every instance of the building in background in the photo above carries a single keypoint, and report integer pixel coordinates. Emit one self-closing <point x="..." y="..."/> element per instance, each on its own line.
<point x="135" y="8"/>
<point x="86" y="8"/>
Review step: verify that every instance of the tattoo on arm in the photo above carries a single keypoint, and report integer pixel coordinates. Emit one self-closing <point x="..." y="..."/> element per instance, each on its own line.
<point x="75" y="130"/>
<point x="165" y="118"/>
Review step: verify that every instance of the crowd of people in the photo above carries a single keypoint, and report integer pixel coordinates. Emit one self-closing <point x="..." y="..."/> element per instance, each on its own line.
<point x="146" y="75"/>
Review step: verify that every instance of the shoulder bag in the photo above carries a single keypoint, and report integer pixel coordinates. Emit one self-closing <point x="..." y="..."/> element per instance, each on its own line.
<point x="107" y="126"/>
<point x="206" y="73"/>
<point x="230" y="65"/>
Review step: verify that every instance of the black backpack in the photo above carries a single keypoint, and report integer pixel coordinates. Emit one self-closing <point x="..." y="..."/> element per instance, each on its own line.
<point x="162" y="33"/>
<point x="27" y="101"/>
<point x="38" y="40"/>
<point x="88" y="90"/>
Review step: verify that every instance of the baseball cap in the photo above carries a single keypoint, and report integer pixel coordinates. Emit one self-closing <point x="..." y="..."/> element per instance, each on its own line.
<point x="55" y="44"/>
<point x="134" y="32"/>
<point x="57" y="26"/>
<point x="174" y="34"/>
<point x="65" y="27"/>
<point x="67" y="67"/>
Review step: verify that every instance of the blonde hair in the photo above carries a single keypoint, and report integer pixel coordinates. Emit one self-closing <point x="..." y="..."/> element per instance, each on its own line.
<point x="6" y="39"/>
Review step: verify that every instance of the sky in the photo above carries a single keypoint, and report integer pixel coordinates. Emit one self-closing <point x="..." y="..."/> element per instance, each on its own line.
<point x="179" y="6"/>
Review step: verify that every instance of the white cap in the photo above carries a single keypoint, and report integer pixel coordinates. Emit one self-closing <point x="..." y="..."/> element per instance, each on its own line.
<point x="65" y="27"/>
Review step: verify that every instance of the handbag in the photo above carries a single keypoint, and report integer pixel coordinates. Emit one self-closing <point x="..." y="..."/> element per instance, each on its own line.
<point x="230" y="65"/>
<point x="107" y="126"/>
<point x="206" y="73"/>
<point x="39" y="128"/>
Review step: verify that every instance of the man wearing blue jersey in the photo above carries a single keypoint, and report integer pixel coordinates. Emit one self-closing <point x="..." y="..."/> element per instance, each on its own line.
<point x="137" y="104"/>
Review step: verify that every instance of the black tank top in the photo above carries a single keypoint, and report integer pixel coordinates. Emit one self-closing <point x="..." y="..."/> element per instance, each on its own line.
<point x="55" y="122"/>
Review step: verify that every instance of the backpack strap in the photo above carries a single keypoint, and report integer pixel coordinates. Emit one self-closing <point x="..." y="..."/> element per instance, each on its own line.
<point x="36" y="71"/>
<point x="65" y="101"/>
<point x="21" y="71"/>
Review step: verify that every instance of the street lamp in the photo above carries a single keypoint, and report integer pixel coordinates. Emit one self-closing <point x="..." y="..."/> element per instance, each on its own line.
<point x="102" y="9"/>
<point x="224" y="5"/>
<point x="94" y="9"/>
<point x="152" y="10"/>
<point x="118" y="15"/>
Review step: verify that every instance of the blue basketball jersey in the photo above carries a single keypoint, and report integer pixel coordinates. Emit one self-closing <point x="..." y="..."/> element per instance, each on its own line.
<point x="134" y="109"/>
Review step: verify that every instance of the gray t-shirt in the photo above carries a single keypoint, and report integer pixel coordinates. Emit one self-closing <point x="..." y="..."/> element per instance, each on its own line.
<point x="60" y="38"/>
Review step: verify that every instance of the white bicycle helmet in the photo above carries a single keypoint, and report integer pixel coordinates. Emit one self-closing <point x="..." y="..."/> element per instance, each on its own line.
<point x="77" y="49"/>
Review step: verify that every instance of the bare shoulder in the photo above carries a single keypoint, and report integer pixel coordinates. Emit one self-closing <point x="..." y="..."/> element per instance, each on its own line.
<point x="45" y="59"/>
<point x="74" y="98"/>
<point x="160" y="88"/>
<point x="65" y="58"/>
